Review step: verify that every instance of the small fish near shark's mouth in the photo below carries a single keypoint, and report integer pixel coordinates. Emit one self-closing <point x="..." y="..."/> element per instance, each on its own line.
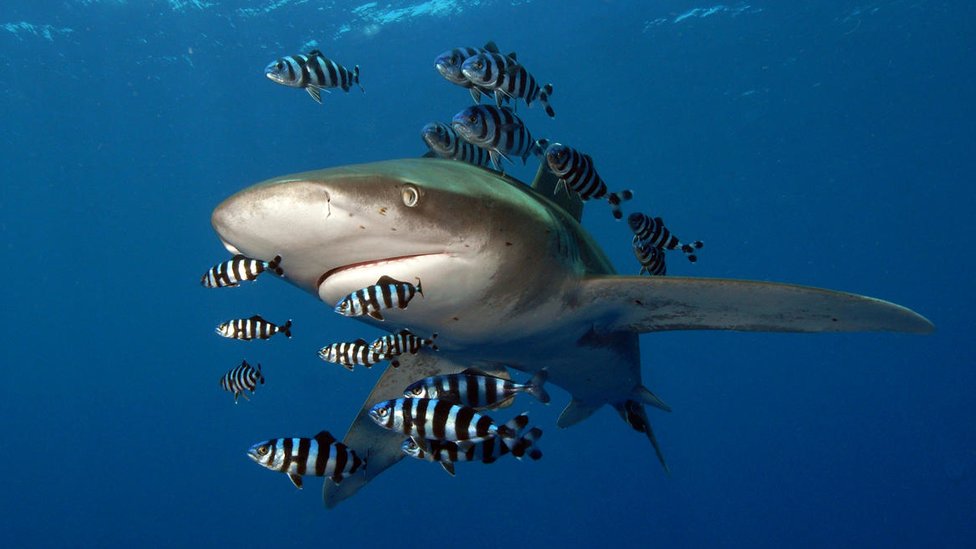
<point x="372" y="263"/>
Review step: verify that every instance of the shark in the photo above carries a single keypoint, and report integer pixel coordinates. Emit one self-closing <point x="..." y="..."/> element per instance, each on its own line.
<point x="512" y="282"/>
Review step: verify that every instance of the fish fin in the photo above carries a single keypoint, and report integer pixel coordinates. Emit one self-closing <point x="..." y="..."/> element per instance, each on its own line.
<point x="509" y="432"/>
<point x="315" y="92"/>
<point x="255" y="317"/>
<point x="296" y="480"/>
<point x="496" y="157"/>
<point x="275" y="265"/>
<point x="634" y="414"/>
<point x="491" y="47"/>
<point x="376" y="315"/>
<point x="324" y="438"/>
<point x="575" y="412"/>
<point x="545" y="184"/>
<point x="526" y="445"/>
<point x="536" y="388"/>
<point x="643" y="394"/>
<point x="386" y="279"/>
<point x="430" y="154"/>
<point x="498" y="98"/>
<point x="651" y="304"/>
<point x="355" y="78"/>
<point x="513" y="56"/>
<point x="501" y="404"/>
<point x="475" y="94"/>
<point x="544" y="94"/>
<point x="448" y="466"/>
<point x="286" y="329"/>
<point x="382" y="447"/>
<point x="315" y="53"/>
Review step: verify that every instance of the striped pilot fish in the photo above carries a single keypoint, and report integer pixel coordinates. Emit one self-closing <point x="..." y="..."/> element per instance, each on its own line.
<point x="444" y="142"/>
<point x="387" y="293"/>
<point x="447" y="453"/>
<point x="404" y="341"/>
<point x="254" y="327"/>
<point x="242" y="378"/>
<point x="238" y="269"/>
<point x="448" y="64"/>
<point x="498" y="130"/>
<point x="351" y="353"/>
<point x="504" y="75"/>
<point x="476" y="389"/>
<point x="314" y="72"/>
<point x="576" y="172"/>
<point x="652" y="231"/>
<point x="424" y="418"/>
<point x="322" y="456"/>
<point x="651" y="259"/>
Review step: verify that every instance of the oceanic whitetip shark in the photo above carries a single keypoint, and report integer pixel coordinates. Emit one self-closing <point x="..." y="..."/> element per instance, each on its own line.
<point x="511" y="279"/>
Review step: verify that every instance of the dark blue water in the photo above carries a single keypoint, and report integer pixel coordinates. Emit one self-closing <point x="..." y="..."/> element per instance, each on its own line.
<point x="824" y="143"/>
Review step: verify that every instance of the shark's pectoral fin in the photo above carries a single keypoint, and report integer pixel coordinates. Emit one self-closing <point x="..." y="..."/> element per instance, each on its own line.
<point x="575" y="412"/>
<point x="382" y="447"/>
<point x="649" y="304"/>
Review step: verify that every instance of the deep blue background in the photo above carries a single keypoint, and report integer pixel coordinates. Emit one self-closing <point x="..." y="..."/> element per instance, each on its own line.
<point x="824" y="143"/>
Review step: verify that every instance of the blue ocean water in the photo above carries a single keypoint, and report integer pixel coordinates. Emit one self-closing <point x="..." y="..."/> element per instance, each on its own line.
<point x="823" y="143"/>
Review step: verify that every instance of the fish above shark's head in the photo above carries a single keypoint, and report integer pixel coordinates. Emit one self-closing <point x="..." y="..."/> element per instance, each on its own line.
<point x="463" y="231"/>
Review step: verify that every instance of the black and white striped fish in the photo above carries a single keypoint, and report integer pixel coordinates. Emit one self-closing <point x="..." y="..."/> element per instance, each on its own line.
<point x="651" y="259"/>
<point x="447" y="453"/>
<point x="238" y="269"/>
<point x="444" y="142"/>
<point x="387" y="293"/>
<point x="504" y="75"/>
<point x="404" y="341"/>
<point x="314" y="72"/>
<point x="576" y="172"/>
<point x="423" y="418"/>
<point x="242" y="378"/>
<point x="352" y="353"/>
<point x="498" y="130"/>
<point x="322" y="456"/>
<point x="448" y="64"/>
<point x="652" y="231"/>
<point x="254" y="327"/>
<point x="476" y="389"/>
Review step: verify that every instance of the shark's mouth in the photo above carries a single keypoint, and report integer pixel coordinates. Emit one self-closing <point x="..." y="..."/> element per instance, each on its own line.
<point x="372" y="263"/>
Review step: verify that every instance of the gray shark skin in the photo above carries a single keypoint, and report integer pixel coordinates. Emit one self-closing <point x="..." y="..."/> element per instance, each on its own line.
<point x="510" y="279"/>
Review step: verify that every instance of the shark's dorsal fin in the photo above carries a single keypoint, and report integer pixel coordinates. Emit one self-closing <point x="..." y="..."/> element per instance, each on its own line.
<point x="661" y="303"/>
<point x="545" y="184"/>
<point x="368" y="439"/>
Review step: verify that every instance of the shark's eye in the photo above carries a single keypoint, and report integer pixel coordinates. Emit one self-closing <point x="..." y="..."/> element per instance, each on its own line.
<point x="411" y="196"/>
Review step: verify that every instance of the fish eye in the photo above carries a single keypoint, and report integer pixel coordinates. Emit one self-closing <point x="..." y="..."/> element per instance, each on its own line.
<point x="263" y="450"/>
<point x="382" y="412"/>
<point x="472" y="118"/>
<point x="280" y="65"/>
<point x="417" y="391"/>
<point x="410" y="195"/>
<point x="478" y="65"/>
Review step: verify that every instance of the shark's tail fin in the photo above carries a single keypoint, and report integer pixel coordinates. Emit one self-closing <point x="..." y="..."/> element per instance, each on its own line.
<point x="633" y="413"/>
<point x="535" y="386"/>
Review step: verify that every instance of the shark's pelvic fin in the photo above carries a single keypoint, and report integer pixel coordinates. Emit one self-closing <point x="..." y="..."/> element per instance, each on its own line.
<point x="575" y="412"/>
<point x="545" y="184"/>
<point x="645" y="395"/>
<point x="649" y="304"/>
<point x="382" y="447"/>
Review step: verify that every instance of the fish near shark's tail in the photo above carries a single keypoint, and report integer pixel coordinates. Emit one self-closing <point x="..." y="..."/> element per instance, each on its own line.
<point x="535" y="386"/>
<point x="634" y="414"/>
